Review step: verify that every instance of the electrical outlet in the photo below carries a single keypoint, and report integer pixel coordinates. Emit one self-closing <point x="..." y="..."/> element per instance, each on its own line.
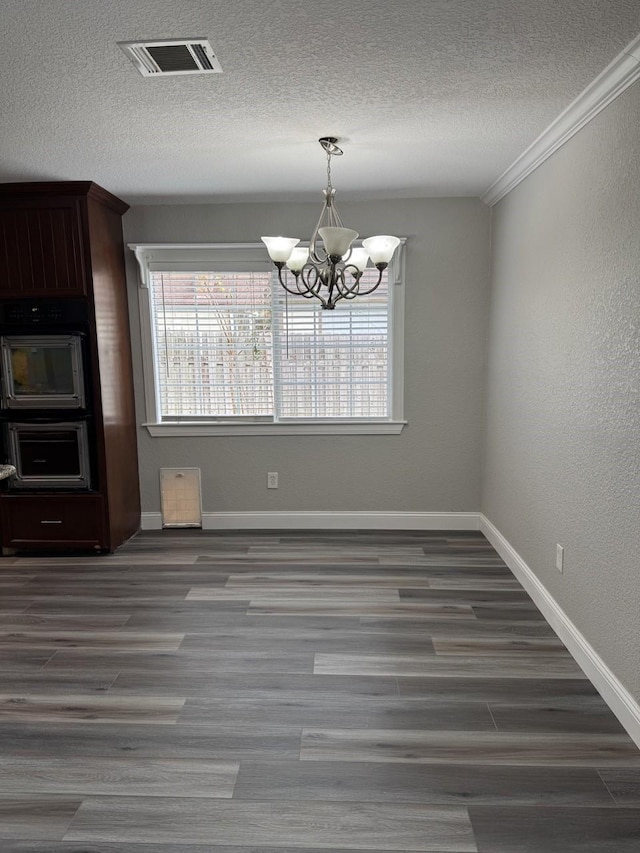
<point x="272" y="480"/>
<point x="560" y="558"/>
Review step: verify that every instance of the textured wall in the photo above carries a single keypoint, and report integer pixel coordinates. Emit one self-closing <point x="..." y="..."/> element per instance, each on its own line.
<point x="434" y="464"/>
<point x="562" y="453"/>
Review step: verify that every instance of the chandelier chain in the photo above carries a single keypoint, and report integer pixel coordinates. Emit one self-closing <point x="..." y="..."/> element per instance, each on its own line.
<point x="329" y="187"/>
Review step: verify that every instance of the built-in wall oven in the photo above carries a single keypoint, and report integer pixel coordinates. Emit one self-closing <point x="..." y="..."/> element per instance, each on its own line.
<point x="42" y="372"/>
<point x="46" y="418"/>
<point x="49" y="454"/>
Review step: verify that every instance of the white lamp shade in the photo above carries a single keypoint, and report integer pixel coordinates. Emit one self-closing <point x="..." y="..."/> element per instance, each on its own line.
<point x="358" y="259"/>
<point x="280" y="248"/>
<point x="337" y="241"/>
<point x="381" y="248"/>
<point x="298" y="259"/>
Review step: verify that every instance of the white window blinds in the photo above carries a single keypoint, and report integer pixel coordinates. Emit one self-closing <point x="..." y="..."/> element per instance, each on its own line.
<point x="332" y="364"/>
<point x="213" y="344"/>
<point x="230" y="345"/>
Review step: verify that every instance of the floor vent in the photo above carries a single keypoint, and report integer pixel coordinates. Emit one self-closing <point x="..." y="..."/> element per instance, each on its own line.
<point x="182" y="56"/>
<point x="181" y="501"/>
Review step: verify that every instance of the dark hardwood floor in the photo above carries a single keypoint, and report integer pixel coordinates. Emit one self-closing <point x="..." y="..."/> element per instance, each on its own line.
<point x="252" y="693"/>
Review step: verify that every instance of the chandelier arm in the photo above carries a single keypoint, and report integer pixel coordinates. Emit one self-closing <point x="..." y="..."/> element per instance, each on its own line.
<point x="333" y="215"/>
<point x="339" y="297"/>
<point x="381" y="269"/>
<point x="330" y="281"/>
<point x="339" y="283"/>
<point x="314" y="254"/>
<point x="296" y="292"/>
<point x="358" y="292"/>
<point x="341" y="288"/>
<point x="343" y="293"/>
<point x="350" y="290"/>
<point x="311" y="277"/>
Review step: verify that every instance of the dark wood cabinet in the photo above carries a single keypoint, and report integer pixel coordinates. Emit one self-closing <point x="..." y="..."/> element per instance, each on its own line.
<point x="41" y="247"/>
<point x="64" y="241"/>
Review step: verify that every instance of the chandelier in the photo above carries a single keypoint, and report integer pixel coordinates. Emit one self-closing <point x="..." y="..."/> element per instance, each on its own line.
<point x="331" y="268"/>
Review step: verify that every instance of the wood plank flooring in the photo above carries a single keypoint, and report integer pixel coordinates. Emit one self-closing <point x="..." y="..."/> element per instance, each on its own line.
<point x="299" y="693"/>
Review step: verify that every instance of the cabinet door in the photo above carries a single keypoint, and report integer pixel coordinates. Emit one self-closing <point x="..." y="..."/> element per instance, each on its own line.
<point x="52" y="521"/>
<point x="41" y="248"/>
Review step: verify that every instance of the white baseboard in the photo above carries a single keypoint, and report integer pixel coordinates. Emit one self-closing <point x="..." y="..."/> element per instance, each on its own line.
<point x="614" y="693"/>
<point x="328" y="521"/>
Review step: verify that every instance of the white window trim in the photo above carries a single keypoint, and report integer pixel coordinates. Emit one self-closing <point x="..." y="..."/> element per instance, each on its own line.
<point x="167" y="256"/>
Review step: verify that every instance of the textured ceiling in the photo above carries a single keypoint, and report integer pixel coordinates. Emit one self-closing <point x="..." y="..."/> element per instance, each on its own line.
<point x="430" y="97"/>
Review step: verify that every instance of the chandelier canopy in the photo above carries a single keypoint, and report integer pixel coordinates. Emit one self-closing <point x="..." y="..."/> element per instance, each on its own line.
<point x="331" y="268"/>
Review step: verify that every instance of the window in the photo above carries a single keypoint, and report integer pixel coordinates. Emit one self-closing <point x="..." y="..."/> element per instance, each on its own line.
<point x="227" y="351"/>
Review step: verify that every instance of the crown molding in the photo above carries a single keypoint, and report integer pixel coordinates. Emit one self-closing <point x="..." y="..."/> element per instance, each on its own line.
<point x="612" y="82"/>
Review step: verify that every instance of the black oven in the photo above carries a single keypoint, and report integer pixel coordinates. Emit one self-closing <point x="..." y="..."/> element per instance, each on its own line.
<point x="47" y="427"/>
<point x="42" y="372"/>
<point x="49" y="454"/>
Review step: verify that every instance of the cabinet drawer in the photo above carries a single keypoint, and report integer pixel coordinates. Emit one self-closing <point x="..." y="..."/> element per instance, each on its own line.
<point x="53" y="521"/>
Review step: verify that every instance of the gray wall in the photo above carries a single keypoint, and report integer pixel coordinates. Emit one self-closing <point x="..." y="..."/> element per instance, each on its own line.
<point x="563" y="404"/>
<point x="434" y="465"/>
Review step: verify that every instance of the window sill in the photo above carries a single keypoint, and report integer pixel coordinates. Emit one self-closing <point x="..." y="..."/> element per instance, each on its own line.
<point x="237" y="428"/>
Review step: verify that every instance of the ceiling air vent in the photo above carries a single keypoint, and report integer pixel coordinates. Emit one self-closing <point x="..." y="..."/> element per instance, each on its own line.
<point x="181" y="56"/>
